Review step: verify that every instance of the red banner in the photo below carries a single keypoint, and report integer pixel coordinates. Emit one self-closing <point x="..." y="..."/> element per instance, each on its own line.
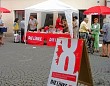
<point x="35" y="38"/>
<point x="52" y="38"/>
<point x="39" y="38"/>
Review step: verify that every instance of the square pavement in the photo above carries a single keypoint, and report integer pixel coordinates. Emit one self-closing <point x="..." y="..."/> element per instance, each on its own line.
<point x="27" y="65"/>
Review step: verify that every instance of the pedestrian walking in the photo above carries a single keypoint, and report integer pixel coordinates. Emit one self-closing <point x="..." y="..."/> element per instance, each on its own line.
<point x="106" y="39"/>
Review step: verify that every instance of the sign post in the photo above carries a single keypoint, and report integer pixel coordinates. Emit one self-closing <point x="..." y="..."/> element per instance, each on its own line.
<point x="70" y="64"/>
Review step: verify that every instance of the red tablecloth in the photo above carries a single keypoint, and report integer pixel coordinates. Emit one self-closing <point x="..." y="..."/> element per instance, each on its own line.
<point x="39" y="38"/>
<point x="35" y="38"/>
<point x="52" y="38"/>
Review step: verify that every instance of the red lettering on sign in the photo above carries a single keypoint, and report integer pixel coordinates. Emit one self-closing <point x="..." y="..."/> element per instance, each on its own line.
<point x="61" y="42"/>
<point x="66" y="63"/>
<point x="59" y="52"/>
<point x="77" y="52"/>
<point x="69" y="43"/>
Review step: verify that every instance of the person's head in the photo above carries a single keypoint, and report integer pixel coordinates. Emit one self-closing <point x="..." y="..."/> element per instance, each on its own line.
<point x="16" y="20"/>
<point x="75" y="18"/>
<point x="31" y="17"/>
<point x="23" y="18"/>
<point x="105" y="20"/>
<point x="64" y="21"/>
<point x="59" y="16"/>
<point x="95" y="20"/>
<point x="86" y="20"/>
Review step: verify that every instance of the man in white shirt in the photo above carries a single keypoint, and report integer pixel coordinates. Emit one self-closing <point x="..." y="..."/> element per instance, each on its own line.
<point x="33" y="24"/>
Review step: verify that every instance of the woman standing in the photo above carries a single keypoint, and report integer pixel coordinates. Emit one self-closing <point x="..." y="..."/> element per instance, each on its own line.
<point x="59" y="25"/>
<point x="95" y="28"/>
<point x="16" y="25"/>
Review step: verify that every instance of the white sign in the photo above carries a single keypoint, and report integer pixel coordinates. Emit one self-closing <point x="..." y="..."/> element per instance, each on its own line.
<point x="66" y="63"/>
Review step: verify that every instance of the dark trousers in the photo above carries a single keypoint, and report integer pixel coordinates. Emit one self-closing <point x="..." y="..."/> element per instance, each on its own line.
<point x="22" y="34"/>
<point x="16" y="31"/>
<point x="33" y="30"/>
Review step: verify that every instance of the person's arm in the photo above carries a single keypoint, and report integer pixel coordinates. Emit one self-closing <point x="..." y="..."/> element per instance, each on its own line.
<point x="76" y="24"/>
<point x="20" y="24"/>
<point x="36" y="22"/>
<point x="2" y="24"/>
<point x="14" y="24"/>
<point x="103" y="30"/>
<point x="60" y="24"/>
<point x="92" y="27"/>
<point x="59" y="21"/>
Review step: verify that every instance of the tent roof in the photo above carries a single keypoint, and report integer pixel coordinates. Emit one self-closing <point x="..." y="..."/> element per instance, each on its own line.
<point x="50" y="6"/>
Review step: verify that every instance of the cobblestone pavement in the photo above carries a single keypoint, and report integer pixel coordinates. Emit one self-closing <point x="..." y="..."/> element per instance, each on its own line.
<point x="25" y="65"/>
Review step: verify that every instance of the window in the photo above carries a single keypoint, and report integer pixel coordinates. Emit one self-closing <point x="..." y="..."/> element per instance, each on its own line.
<point x="81" y="16"/>
<point x="48" y="20"/>
<point x="19" y="14"/>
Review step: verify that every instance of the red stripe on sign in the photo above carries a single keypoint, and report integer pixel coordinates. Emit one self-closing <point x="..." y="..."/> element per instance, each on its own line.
<point x="69" y="43"/>
<point x="64" y="76"/>
<point x="78" y="55"/>
<point x="66" y="63"/>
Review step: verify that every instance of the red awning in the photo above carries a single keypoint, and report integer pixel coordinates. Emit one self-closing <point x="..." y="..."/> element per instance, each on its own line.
<point x="97" y="10"/>
<point x="4" y="10"/>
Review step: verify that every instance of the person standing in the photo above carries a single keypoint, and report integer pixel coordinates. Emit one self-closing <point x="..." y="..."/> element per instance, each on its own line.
<point x="32" y="24"/>
<point x="95" y="28"/>
<point x="106" y="39"/>
<point x="75" y="27"/>
<point x="1" y="33"/>
<point x="22" y="26"/>
<point x="16" y="26"/>
<point x="59" y="25"/>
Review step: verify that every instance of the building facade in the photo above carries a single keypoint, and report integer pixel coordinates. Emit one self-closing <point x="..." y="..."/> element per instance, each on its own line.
<point x="17" y="8"/>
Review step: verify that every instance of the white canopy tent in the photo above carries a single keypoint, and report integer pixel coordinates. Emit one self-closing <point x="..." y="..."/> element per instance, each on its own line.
<point x="52" y="6"/>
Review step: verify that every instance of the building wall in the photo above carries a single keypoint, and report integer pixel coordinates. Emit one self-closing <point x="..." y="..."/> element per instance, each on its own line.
<point x="22" y="4"/>
<point x="108" y="4"/>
